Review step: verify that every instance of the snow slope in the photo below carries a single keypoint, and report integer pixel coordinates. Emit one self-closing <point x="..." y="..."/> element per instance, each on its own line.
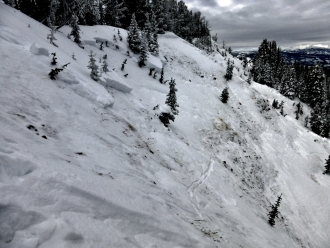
<point x="84" y="164"/>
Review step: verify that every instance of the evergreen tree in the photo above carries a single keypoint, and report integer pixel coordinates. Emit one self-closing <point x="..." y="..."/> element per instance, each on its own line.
<point x="143" y="52"/>
<point x="134" y="38"/>
<point x="327" y="166"/>
<point x="114" y="13"/>
<point x="281" y="107"/>
<point x="171" y="98"/>
<point x="299" y="111"/>
<point x="150" y="32"/>
<point x="54" y="62"/>
<point x="224" y="95"/>
<point x="316" y="120"/>
<point x="123" y="64"/>
<point x="94" y="67"/>
<point x="54" y="6"/>
<point x="75" y="30"/>
<point x="171" y="101"/>
<point x="105" y="65"/>
<point x="56" y="71"/>
<point x="275" y="104"/>
<point x="229" y="71"/>
<point x="51" y="36"/>
<point x="316" y="81"/>
<point x="274" y="212"/>
<point x="161" y="80"/>
<point x="306" y="121"/>
<point x="289" y="83"/>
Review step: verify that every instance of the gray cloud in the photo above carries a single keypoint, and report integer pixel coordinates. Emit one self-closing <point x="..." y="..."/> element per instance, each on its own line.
<point x="246" y="23"/>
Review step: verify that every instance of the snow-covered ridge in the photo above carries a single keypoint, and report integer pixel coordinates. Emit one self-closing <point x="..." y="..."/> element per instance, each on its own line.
<point x="89" y="164"/>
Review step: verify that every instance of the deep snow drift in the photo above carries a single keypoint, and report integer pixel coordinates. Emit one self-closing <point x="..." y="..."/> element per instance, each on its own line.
<point x="89" y="164"/>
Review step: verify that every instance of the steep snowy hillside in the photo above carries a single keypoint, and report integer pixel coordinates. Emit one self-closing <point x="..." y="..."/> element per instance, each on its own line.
<point x="89" y="164"/>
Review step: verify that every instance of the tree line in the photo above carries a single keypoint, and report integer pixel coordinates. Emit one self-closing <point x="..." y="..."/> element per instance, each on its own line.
<point x="294" y="80"/>
<point x="170" y="15"/>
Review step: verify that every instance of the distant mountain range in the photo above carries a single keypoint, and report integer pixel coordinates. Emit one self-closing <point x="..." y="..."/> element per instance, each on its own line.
<point x="308" y="55"/>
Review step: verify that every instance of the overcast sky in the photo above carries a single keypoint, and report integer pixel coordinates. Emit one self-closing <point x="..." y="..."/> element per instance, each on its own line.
<point x="245" y="23"/>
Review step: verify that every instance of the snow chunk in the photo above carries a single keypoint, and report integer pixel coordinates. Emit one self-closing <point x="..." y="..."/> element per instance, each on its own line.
<point x="89" y="42"/>
<point x="93" y="92"/>
<point x="68" y="78"/>
<point x="154" y="62"/>
<point x="111" y="79"/>
<point x="37" y="50"/>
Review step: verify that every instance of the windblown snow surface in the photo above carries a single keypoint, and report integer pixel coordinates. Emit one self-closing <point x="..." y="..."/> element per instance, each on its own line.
<point x="89" y="164"/>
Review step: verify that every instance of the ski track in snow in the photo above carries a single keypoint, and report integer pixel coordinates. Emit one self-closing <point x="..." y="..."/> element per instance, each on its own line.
<point x="196" y="184"/>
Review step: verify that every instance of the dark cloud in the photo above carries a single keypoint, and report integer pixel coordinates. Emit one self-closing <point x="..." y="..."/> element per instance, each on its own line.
<point x="246" y="23"/>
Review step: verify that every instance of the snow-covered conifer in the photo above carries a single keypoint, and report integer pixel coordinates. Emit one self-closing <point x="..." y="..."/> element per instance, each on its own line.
<point x="51" y="36"/>
<point x="123" y="64"/>
<point x="105" y="65"/>
<point x="327" y="166"/>
<point x="171" y="98"/>
<point x="274" y="212"/>
<point x="143" y="52"/>
<point x="54" y="62"/>
<point x="299" y="111"/>
<point x="75" y="32"/>
<point x="224" y="95"/>
<point x="134" y="38"/>
<point x="93" y="66"/>
<point x="161" y="80"/>
<point x="229" y="71"/>
<point x="119" y="36"/>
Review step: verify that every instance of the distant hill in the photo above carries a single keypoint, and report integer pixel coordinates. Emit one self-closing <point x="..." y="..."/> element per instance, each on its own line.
<point x="309" y="56"/>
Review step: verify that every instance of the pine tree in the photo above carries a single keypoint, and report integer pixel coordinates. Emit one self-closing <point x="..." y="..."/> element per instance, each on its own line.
<point x="171" y="98"/>
<point x="288" y="84"/>
<point x="56" y="71"/>
<point x="327" y="166"/>
<point x="171" y="101"/>
<point x="274" y="212"/>
<point x="150" y="33"/>
<point x="119" y="35"/>
<point x="224" y="95"/>
<point x="161" y="80"/>
<point x="54" y="6"/>
<point x="306" y="121"/>
<point x="316" y="120"/>
<point x="54" y="62"/>
<point x="134" y="38"/>
<point x="275" y="104"/>
<point x="316" y="83"/>
<point x="75" y="30"/>
<point x="94" y="67"/>
<point x="299" y="111"/>
<point x="281" y="107"/>
<point x="151" y="71"/>
<point x="51" y="36"/>
<point x="114" y="12"/>
<point x="123" y="64"/>
<point x="229" y="71"/>
<point x="249" y="78"/>
<point x="143" y="52"/>
<point x="105" y="65"/>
